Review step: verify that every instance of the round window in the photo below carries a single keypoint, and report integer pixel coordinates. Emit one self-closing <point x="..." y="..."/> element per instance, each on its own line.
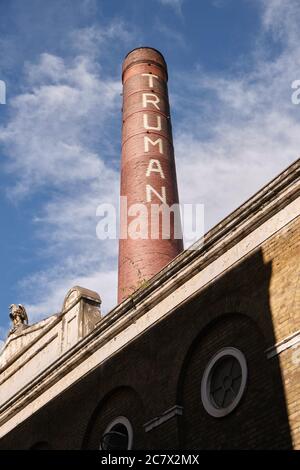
<point x="224" y="382"/>
<point x="118" y="435"/>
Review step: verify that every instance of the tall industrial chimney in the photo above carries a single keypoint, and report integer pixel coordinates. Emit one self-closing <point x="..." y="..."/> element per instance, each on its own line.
<point x="148" y="174"/>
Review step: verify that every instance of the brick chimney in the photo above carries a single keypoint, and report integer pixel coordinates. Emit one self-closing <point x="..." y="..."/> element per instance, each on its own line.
<point x="148" y="174"/>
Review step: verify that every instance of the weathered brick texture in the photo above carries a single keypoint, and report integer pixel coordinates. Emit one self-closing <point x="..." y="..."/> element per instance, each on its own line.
<point x="247" y="308"/>
<point x="141" y="259"/>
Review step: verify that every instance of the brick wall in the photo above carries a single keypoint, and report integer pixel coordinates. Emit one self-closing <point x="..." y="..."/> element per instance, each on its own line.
<point x="251" y="307"/>
<point x="259" y="421"/>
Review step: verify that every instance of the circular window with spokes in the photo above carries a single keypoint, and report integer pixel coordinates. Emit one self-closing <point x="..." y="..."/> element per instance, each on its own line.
<point x="118" y="435"/>
<point x="224" y="382"/>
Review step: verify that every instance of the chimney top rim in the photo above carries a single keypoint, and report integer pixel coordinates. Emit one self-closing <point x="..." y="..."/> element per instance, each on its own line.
<point x="144" y="47"/>
<point x="156" y="58"/>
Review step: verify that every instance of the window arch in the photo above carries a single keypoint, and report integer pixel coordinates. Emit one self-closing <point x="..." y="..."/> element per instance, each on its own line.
<point x="118" y="435"/>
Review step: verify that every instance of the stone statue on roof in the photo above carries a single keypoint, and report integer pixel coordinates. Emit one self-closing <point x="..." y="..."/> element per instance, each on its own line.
<point x="18" y="317"/>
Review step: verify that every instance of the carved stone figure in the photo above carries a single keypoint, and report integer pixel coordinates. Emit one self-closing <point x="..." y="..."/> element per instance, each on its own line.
<point x="18" y="317"/>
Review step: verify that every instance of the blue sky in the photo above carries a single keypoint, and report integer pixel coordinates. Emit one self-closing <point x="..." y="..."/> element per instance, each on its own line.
<point x="231" y="65"/>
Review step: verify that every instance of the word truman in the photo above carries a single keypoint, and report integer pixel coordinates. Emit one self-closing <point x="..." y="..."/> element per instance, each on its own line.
<point x="154" y="165"/>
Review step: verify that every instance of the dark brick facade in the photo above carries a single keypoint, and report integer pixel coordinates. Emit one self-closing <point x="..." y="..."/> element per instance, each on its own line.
<point x="244" y="308"/>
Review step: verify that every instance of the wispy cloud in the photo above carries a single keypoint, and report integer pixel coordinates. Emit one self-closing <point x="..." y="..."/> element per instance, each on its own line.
<point x="92" y="40"/>
<point x="170" y="34"/>
<point x="175" y="4"/>
<point x="3" y="336"/>
<point x="47" y="138"/>
<point x="281" y="18"/>
<point x="103" y="282"/>
<point x="60" y="139"/>
<point x="239" y="130"/>
<point x="234" y="132"/>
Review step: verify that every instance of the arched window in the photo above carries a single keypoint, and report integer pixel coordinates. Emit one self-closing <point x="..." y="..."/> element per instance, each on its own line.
<point x="118" y="435"/>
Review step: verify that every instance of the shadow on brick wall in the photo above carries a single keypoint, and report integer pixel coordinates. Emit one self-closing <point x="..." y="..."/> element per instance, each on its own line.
<point x="236" y="312"/>
<point x="164" y="367"/>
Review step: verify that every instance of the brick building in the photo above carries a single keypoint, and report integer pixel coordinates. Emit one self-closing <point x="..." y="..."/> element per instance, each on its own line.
<point x="205" y="355"/>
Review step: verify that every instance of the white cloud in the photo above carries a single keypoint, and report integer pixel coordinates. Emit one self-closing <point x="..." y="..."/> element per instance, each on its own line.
<point x="103" y="282"/>
<point x="171" y="34"/>
<point x="175" y="4"/>
<point x="281" y="18"/>
<point x="47" y="138"/>
<point x="91" y="41"/>
<point x="240" y="130"/>
<point x="3" y="336"/>
<point x="235" y="133"/>
<point x="60" y="138"/>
